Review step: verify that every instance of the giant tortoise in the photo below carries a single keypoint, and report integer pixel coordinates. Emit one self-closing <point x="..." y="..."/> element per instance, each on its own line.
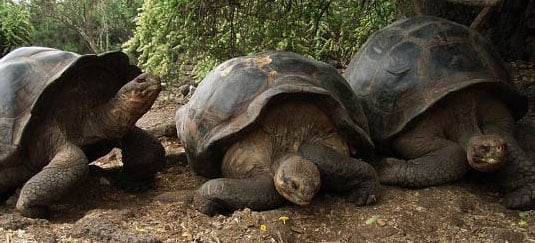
<point x="59" y="111"/>
<point x="275" y="126"/>
<point x="440" y="100"/>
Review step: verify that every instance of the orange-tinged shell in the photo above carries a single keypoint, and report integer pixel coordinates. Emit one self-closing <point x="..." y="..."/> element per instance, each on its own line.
<point x="233" y="96"/>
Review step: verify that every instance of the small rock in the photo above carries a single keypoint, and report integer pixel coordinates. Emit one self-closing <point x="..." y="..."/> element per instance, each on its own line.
<point x="381" y="222"/>
<point x="104" y="181"/>
<point x="17" y="222"/>
<point x="181" y="196"/>
<point x="217" y="225"/>
<point x="107" y="226"/>
<point x="177" y="157"/>
<point x="297" y="230"/>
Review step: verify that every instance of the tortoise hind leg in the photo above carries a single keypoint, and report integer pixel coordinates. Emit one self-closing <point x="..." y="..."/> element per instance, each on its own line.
<point x="67" y="169"/>
<point x="224" y="195"/>
<point x="343" y="174"/>
<point x="143" y="156"/>
<point x="431" y="160"/>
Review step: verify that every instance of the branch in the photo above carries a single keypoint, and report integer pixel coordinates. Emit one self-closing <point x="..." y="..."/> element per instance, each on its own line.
<point x="318" y="20"/>
<point x="486" y="3"/>
<point x="482" y="18"/>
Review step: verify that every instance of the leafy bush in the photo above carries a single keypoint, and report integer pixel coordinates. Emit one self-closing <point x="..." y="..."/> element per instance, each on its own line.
<point x="15" y="27"/>
<point x="83" y="26"/>
<point x="173" y="34"/>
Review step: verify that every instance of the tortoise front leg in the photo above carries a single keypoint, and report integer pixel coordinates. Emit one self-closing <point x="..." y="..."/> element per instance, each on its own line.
<point x="224" y="195"/>
<point x="67" y="169"/>
<point x="343" y="174"/>
<point x="143" y="156"/>
<point x="428" y="160"/>
<point x="517" y="177"/>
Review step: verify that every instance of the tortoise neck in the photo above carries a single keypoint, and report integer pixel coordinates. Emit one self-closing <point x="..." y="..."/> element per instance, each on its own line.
<point x="464" y="138"/>
<point x="463" y="111"/>
<point x="115" y="117"/>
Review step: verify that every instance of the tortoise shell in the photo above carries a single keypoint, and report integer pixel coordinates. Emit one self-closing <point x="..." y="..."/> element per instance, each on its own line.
<point x="406" y="67"/>
<point x="37" y="81"/>
<point x="234" y="95"/>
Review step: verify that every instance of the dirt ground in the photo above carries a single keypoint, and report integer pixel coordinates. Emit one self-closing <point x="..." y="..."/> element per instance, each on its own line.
<point x="465" y="211"/>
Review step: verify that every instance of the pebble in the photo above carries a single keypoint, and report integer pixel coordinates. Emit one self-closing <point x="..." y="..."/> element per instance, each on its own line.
<point x="381" y="222"/>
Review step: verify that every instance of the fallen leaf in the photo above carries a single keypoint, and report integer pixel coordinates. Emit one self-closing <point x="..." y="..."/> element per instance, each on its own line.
<point x="372" y="219"/>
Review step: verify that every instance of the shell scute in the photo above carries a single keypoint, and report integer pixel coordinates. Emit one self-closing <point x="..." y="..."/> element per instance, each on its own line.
<point x="399" y="80"/>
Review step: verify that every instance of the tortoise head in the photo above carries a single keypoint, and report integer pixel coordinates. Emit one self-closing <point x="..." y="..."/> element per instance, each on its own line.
<point x="297" y="179"/>
<point x="486" y="153"/>
<point x="137" y="96"/>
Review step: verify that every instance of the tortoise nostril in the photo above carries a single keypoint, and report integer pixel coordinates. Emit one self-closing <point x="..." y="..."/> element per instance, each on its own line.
<point x="294" y="185"/>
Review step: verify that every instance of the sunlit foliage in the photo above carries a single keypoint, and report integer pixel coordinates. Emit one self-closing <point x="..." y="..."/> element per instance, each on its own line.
<point x="171" y="35"/>
<point x="15" y="26"/>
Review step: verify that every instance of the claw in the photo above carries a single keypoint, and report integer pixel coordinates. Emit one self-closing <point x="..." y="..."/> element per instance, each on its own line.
<point x="521" y="199"/>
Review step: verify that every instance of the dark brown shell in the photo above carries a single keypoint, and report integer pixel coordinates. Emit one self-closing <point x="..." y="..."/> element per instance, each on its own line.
<point x="234" y="94"/>
<point x="404" y="68"/>
<point x="36" y="80"/>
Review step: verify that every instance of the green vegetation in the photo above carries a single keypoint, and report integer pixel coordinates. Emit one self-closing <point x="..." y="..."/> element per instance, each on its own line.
<point x="84" y="26"/>
<point x="177" y="37"/>
<point x="173" y="34"/>
<point x="15" y="26"/>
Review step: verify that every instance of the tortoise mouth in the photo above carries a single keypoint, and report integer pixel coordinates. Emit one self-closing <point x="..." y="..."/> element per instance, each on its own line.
<point x="143" y="95"/>
<point x="487" y="153"/>
<point x="301" y="202"/>
<point x="293" y="195"/>
<point x="142" y="90"/>
<point x="485" y="160"/>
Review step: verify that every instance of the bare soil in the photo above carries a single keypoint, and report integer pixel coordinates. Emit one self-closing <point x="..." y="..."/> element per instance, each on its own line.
<point x="464" y="211"/>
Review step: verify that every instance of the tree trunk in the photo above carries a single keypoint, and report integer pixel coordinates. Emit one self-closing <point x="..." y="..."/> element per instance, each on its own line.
<point x="482" y="18"/>
<point x="90" y="41"/>
<point x="512" y="29"/>
<point x="445" y="9"/>
<point x="509" y="23"/>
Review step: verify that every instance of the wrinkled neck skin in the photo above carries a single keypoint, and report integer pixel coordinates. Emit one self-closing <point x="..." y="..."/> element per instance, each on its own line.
<point x="463" y="126"/>
<point x="480" y="124"/>
<point x="296" y="178"/>
<point x="121" y="113"/>
<point x="114" y="118"/>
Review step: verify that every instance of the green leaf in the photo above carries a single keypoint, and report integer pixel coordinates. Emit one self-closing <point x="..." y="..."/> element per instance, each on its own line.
<point x="523" y="214"/>
<point x="372" y="220"/>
